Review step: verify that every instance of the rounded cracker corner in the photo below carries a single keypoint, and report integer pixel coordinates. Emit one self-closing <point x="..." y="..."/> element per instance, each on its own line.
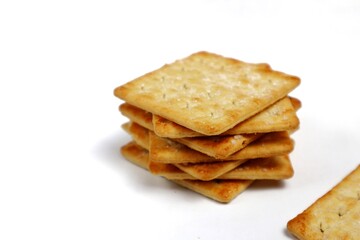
<point x="116" y="91"/>
<point x="120" y="91"/>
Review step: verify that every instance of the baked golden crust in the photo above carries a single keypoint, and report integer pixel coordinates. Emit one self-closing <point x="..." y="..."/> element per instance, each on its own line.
<point x="335" y="215"/>
<point x="281" y="116"/>
<point x="208" y="93"/>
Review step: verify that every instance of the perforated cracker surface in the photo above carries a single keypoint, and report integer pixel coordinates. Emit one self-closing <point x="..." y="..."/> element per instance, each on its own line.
<point x="281" y="116"/>
<point x="206" y="92"/>
<point x="336" y="215"/>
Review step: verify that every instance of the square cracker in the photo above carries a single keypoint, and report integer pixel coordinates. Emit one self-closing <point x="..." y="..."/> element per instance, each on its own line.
<point x="166" y="128"/>
<point x="274" y="168"/>
<point x="207" y="93"/>
<point x="281" y="116"/>
<point x="219" y="190"/>
<point x="335" y="215"/>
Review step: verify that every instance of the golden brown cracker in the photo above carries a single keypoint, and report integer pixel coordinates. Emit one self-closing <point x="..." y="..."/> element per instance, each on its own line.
<point x="335" y="215"/>
<point x="206" y="92"/>
<point x="281" y="116"/>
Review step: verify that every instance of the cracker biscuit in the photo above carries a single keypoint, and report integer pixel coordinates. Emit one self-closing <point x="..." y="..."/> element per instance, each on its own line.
<point x="271" y="144"/>
<point x="219" y="190"/>
<point x="207" y="93"/>
<point x="164" y="127"/>
<point x="273" y="168"/>
<point x="281" y="116"/>
<point x="336" y="215"/>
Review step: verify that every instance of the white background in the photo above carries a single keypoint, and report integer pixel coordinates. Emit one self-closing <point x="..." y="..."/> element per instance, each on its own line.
<point x="61" y="174"/>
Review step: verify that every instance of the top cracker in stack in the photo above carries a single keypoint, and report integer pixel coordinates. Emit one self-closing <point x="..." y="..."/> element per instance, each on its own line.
<point x="208" y="93"/>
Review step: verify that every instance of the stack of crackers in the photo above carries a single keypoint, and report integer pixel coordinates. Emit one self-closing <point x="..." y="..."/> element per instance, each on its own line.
<point x="211" y="124"/>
